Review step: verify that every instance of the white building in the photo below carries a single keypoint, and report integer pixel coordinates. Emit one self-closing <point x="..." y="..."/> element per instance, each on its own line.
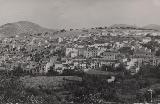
<point x="74" y="54"/>
<point x="146" y="40"/>
<point x="69" y="50"/>
<point x="60" y="39"/>
<point x="58" y="66"/>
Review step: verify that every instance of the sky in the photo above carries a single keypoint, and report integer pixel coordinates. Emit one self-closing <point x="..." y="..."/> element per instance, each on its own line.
<point x="58" y="14"/>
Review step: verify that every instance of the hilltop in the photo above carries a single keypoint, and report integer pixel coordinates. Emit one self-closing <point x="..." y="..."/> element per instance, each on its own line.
<point x="16" y="28"/>
<point x="123" y="26"/>
<point x="26" y="27"/>
<point x="152" y="26"/>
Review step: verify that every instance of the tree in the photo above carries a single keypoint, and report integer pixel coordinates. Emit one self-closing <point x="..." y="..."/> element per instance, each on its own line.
<point x="72" y="72"/>
<point x="158" y="52"/>
<point x="17" y="70"/>
<point x="52" y="72"/>
<point x="12" y="90"/>
<point x="107" y="68"/>
<point x="121" y="68"/>
<point x="151" y="45"/>
<point x="63" y="30"/>
<point x="126" y="50"/>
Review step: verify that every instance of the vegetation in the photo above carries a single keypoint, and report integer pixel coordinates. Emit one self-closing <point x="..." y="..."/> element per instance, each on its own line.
<point x="151" y="45"/>
<point x="88" y="88"/>
<point x="126" y="89"/>
<point x="14" y="90"/>
<point x="126" y="50"/>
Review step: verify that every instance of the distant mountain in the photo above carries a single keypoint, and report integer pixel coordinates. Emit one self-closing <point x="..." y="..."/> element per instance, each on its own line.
<point x="122" y="26"/>
<point x="22" y="27"/>
<point x="152" y="26"/>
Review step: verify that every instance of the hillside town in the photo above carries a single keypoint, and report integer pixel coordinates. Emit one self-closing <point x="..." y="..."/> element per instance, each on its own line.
<point x="79" y="52"/>
<point x="101" y="65"/>
<point x="88" y="51"/>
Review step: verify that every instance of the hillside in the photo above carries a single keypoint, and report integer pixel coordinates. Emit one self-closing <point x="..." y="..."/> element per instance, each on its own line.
<point x="75" y="33"/>
<point x="11" y="29"/>
<point x="72" y="33"/>
<point x="122" y="26"/>
<point x="152" y="26"/>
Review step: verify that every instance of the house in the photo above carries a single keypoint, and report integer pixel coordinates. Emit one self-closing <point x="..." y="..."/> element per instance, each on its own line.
<point x="74" y="52"/>
<point x="32" y="68"/>
<point x="118" y="45"/>
<point x="156" y="61"/>
<point x="143" y="53"/>
<point x="80" y="63"/>
<point x="47" y="67"/>
<point x="108" y="62"/>
<point x="53" y="59"/>
<point x="110" y="55"/>
<point x="91" y="52"/>
<point x="58" y="65"/>
<point x="82" y="37"/>
<point x="132" y="65"/>
<point x="157" y="40"/>
<point x="66" y="60"/>
<point x="101" y="49"/>
<point x="144" y="58"/>
<point x="81" y="51"/>
<point x="112" y="79"/>
<point x="60" y="39"/>
<point x="97" y="63"/>
<point x="146" y="39"/>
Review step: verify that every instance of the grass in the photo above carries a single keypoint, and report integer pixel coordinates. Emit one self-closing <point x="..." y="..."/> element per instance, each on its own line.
<point x="47" y="82"/>
<point x="98" y="72"/>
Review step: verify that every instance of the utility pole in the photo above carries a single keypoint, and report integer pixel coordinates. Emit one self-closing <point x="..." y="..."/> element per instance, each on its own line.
<point x="151" y="94"/>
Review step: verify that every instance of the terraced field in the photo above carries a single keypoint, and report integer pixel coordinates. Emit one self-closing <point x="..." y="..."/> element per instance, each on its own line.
<point x="47" y="82"/>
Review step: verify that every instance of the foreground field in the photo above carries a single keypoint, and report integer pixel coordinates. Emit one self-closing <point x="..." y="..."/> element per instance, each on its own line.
<point x="47" y="82"/>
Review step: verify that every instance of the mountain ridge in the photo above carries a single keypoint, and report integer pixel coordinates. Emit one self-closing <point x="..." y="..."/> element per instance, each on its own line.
<point x="152" y="26"/>
<point x="27" y="27"/>
<point x="122" y="26"/>
<point x="21" y="27"/>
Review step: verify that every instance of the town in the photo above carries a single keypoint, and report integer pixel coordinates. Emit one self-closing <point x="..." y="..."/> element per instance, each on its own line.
<point x="110" y="57"/>
<point x="90" y="50"/>
<point x="79" y="52"/>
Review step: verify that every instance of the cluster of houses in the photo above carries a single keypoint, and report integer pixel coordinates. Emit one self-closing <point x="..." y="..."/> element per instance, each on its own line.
<point x="89" y="58"/>
<point x="93" y="50"/>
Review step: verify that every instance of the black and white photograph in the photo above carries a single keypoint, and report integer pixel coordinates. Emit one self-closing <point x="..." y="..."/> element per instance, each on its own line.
<point x="79" y="51"/>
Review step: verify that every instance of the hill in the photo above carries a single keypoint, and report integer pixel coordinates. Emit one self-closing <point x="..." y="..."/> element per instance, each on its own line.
<point x="76" y="33"/>
<point x="152" y="27"/>
<point x="123" y="26"/>
<point x="21" y="27"/>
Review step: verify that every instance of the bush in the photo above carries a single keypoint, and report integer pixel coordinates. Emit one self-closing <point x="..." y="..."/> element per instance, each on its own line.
<point x="17" y="71"/>
<point x="52" y="73"/>
<point x="70" y="72"/>
<point x="12" y="90"/>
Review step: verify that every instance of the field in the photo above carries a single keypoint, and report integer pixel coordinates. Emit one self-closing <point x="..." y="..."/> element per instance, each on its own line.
<point x="47" y="82"/>
<point x="100" y="73"/>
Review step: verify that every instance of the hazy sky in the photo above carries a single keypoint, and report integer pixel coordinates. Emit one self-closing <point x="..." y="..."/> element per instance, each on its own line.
<point x="80" y="13"/>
